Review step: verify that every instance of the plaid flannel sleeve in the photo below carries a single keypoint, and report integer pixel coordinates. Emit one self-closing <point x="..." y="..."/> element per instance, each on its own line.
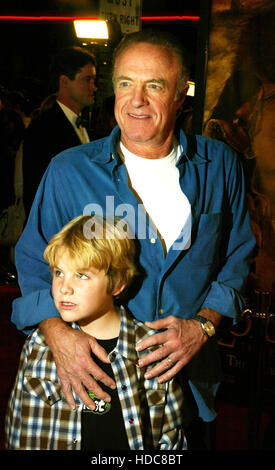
<point x="172" y="436"/>
<point x="13" y="412"/>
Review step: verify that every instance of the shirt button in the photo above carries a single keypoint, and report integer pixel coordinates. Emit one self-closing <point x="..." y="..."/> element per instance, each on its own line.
<point x="124" y="387"/>
<point x="153" y="240"/>
<point x="113" y="356"/>
<point x="161" y="311"/>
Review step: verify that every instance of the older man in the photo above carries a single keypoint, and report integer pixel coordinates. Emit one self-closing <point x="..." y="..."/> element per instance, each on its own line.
<point x="183" y="198"/>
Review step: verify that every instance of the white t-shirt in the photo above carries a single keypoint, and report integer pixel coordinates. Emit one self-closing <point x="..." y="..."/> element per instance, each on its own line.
<point x="156" y="182"/>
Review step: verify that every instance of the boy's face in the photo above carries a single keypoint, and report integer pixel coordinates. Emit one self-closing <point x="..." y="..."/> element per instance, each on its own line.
<point x="80" y="296"/>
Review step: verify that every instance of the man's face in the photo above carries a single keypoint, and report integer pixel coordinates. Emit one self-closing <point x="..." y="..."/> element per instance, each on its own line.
<point x="80" y="91"/>
<point x="146" y="78"/>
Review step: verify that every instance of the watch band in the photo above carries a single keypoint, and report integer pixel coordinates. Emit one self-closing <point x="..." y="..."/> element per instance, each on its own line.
<point x="207" y="325"/>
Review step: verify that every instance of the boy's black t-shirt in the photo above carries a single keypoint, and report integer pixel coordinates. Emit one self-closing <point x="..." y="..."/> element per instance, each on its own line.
<point x="103" y="428"/>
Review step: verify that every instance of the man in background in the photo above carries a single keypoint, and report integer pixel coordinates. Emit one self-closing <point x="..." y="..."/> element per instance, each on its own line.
<point x="59" y="127"/>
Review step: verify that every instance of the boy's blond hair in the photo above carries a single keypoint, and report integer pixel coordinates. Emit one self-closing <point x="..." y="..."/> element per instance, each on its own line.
<point x="110" y="251"/>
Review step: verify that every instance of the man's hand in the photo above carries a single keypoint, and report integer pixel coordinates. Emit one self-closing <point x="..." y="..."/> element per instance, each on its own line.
<point x="181" y="340"/>
<point x="75" y="368"/>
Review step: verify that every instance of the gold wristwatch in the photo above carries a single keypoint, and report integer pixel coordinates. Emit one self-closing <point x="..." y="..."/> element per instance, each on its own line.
<point x="207" y="325"/>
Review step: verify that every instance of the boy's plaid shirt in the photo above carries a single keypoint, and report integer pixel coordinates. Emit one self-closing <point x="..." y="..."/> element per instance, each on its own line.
<point x="38" y="416"/>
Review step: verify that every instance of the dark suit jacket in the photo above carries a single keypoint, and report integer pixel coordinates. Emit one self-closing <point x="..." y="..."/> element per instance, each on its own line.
<point x="47" y="135"/>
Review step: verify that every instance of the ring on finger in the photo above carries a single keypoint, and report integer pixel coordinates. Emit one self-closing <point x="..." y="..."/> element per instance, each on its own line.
<point x="170" y="362"/>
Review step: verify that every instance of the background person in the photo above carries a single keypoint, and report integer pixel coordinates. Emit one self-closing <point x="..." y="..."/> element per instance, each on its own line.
<point x="73" y="74"/>
<point x="184" y="198"/>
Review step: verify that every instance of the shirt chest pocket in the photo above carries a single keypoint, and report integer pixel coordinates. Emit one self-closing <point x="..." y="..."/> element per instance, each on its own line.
<point x="44" y="389"/>
<point x="205" y="248"/>
<point x="156" y="397"/>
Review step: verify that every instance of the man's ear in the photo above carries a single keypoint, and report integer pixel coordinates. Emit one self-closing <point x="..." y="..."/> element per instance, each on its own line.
<point x="182" y="95"/>
<point x="119" y="290"/>
<point x="63" y="81"/>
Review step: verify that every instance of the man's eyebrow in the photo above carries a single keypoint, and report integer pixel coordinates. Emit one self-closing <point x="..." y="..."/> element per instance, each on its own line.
<point x="156" y="80"/>
<point x="122" y="77"/>
<point x="160" y="81"/>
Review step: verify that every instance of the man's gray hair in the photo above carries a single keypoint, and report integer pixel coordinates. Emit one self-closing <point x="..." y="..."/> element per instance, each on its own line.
<point x="158" y="38"/>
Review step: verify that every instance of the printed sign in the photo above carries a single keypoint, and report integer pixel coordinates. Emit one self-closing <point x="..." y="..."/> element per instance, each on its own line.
<point x="126" y="12"/>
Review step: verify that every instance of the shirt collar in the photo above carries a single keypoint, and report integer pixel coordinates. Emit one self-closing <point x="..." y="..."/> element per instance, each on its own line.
<point x="131" y="332"/>
<point x="192" y="150"/>
<point x="71" y="115"/>
<point x="107" y="148"/>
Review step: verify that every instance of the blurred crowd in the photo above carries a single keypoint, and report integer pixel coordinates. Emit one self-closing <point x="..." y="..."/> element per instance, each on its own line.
<point x="14" y="120"/>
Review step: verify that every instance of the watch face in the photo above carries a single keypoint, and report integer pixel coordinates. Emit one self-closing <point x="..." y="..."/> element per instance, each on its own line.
<point x="209" y="328"/>
<point x="207" y="325"/>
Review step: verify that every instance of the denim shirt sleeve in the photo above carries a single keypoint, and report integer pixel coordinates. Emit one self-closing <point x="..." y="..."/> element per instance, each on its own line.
<point x="225" y="293"/>
<point x="39" y="302"/>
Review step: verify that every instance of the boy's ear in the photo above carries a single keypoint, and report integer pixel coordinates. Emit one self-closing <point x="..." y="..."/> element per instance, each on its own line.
<point x="118" y="290"/>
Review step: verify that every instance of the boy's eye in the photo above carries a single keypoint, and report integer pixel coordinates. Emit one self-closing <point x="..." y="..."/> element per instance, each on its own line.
<point x="58" y="273"/>
<point x="82" y="276"/>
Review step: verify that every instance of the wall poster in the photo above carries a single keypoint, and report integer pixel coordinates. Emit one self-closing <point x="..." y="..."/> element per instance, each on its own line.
<point x="239" y="108"/>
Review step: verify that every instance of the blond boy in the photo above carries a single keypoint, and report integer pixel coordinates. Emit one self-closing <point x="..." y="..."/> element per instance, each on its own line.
<point x="90" y="276"/>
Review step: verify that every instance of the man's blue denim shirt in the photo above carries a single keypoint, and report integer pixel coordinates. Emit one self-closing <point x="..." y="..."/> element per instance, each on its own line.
<point x="211" y="273"/>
